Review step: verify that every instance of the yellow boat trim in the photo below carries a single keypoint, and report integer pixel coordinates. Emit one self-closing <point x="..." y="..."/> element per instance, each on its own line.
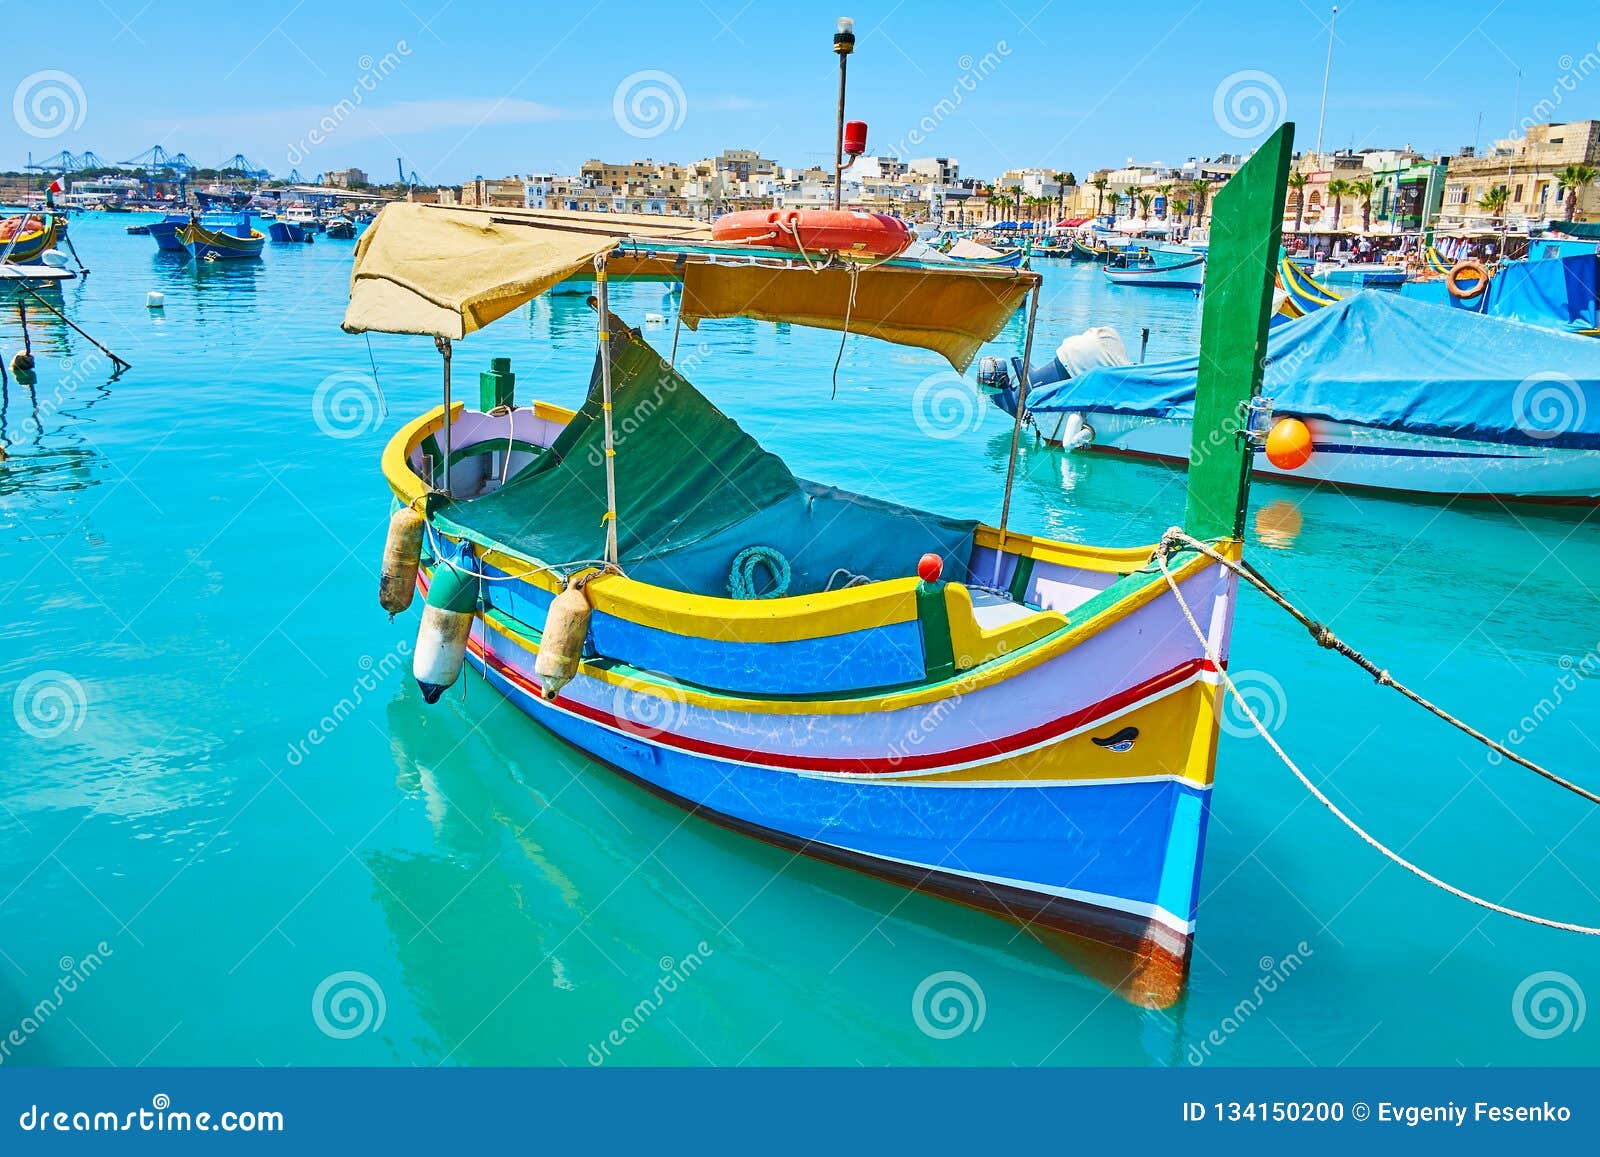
<point x="1001" y="668"/>
<point x="1105" y="559"/>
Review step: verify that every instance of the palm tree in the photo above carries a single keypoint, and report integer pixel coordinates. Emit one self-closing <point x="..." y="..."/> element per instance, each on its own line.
<point x="1165" y="193"/>
<point x="1145" y="201"/>
<point x="1116" y="199"/>
<point x="1064" y="181"/>
<point x="1197" y="205"/>
<point x="1298" y="182"/>
<point x="1100" y="184"/>
<point x="1363" y="189"/>
<point x="1338" y="189"/>
<point x="1494" y="202"/>
<point x="1574" y="179"/>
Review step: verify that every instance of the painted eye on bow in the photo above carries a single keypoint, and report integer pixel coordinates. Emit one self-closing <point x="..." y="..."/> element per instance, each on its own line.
<point x="1121" y="742"/>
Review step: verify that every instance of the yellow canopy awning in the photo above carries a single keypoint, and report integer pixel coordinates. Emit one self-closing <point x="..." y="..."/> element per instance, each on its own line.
<point x="447" y="272"/>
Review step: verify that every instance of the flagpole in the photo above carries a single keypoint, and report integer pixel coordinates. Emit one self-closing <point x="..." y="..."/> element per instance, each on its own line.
<point x="1327" y="70"/>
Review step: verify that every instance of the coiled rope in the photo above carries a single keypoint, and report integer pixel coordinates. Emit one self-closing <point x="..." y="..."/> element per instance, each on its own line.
<point x="1174" y="537"/>
<point x="742" y="576"/>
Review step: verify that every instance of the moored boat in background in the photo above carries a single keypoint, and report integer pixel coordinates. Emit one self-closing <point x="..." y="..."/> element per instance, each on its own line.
<point x="205" y="243"/>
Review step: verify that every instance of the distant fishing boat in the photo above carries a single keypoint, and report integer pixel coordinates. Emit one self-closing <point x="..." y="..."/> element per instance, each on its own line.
<point x="24" y="238"/>
<point x="1305" y="294"/>
<point x="207" y="244"/>
<point x="1143" y="269"/>
<point x="289" y="231"/>
<point x="1376" y="392"/>
<point x="971" y="252"/>
<point x="340" y="228"/>
<point x="1364" y="275"/>
<point x="216" y="199"/>
<point x="165" y="231"/>
<point x="305" y="217"/>
<point x="768" y="652"/>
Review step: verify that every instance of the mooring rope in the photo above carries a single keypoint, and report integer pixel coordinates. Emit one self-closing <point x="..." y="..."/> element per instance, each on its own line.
<point x="1175" y="536"/>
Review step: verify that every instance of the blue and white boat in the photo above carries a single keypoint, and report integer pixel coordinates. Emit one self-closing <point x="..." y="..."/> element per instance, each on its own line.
<point x="165" y="231"/>
<point x="1144" y="268"/>
<point x="290" y="231"/>
<point x="1393" y="395"/>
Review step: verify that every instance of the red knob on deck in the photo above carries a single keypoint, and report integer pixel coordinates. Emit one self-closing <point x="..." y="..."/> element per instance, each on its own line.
<point x="930" y="567"/>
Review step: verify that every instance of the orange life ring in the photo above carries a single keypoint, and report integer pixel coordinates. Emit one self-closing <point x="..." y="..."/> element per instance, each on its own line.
<point x="839" y="230"/>
<point x="1452" y="281"/>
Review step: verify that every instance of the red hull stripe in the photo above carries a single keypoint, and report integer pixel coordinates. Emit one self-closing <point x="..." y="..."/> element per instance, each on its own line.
<point x="988" y="750"/>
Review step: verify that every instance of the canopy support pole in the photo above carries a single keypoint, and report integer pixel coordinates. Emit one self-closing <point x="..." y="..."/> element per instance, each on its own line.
<point x="1016" y="430"/>
<point x="602" y="296"/>
<point x="443" y="344"/>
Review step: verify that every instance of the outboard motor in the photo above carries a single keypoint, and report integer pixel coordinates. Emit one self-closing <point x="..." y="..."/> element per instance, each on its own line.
<point x="1092" y="349"/>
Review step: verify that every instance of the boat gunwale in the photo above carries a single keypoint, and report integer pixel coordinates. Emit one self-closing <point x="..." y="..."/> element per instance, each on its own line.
<point x="828" y="613"/>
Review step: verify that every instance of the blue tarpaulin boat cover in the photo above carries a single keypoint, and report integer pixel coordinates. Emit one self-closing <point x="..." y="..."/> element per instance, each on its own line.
<point x="1557" y="292"/>
<point x="1378" y="359"/>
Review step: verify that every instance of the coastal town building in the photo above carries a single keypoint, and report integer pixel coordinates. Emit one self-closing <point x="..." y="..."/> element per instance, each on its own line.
<point x="1529" y="169"/>
<point x="347" y="178"/>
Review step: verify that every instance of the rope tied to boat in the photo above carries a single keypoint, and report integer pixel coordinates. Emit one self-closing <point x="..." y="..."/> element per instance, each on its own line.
<point x="1175" y="537"/>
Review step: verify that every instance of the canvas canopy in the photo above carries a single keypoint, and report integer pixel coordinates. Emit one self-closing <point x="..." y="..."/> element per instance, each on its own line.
<point x="1377" y="359"/>
<point x="693" y="491"/>
<point x="1560" y="292"/>
<point x="448" y="272"/>
<point x="444" y="272"/>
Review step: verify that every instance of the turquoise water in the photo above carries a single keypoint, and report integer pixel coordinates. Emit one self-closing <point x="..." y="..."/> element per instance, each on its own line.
<point x="246" y="798"/>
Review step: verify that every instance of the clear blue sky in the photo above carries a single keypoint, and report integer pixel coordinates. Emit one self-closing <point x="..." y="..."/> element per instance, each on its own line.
<point x="478" y="87"/>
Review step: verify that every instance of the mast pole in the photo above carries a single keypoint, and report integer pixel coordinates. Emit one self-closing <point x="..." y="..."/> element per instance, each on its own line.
<point x="844" y="43"/>
<point x="1327" y="71"/>
<point x="602" y="297"/>
<point x="443" y="344"/>
<point x="1016" y="427"/>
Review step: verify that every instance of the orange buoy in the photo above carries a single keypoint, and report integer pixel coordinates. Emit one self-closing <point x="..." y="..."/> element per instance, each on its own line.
<point x="1289" y="445"/>
<point x="839" y="230"/>
<point x="929" y="567"/>
<point x="1475" y="272"/>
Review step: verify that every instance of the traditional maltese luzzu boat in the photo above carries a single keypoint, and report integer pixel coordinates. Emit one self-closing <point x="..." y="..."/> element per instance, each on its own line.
<point x="1020" y="725"/>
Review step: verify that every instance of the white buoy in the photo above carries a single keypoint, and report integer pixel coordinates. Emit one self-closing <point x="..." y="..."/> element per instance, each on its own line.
<point x="654" y="319"/>
<point x="445" y="628"/>
<point x="155" y="299"/>
<point x="54" y="258"/>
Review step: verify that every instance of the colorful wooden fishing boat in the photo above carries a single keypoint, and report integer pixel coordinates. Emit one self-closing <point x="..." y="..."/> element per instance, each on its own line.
<point x="1306" y="295"/>
<point x="24" y="238"/>
<point x="207" y="244"/>
<point x="1018" y="724"/>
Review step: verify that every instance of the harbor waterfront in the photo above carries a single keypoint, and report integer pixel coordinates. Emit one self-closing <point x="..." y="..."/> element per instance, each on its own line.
<point x="225" y="787"/>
